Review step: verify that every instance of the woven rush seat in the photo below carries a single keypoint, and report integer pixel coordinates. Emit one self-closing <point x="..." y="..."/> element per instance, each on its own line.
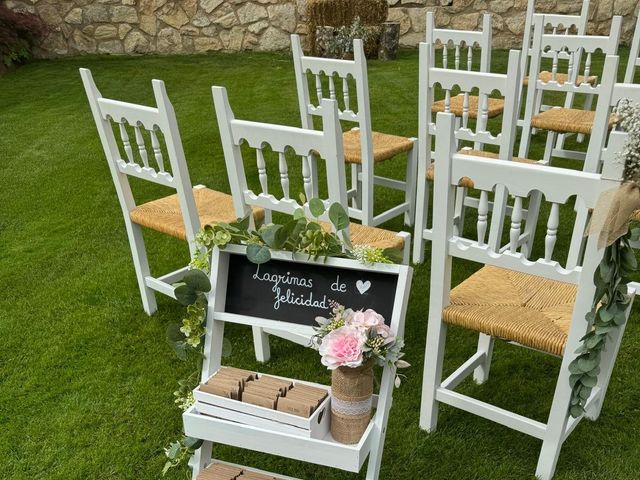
<point x="495" y="106"/>
<point x="372" y="236"/>
<point x="164" y="214"/>
<point x="562" y="78"/>
<point x="385" y="146"/>
<point x="568" y="120"/>
<point x="466" y="181"/>
<point x="532" y="311"/>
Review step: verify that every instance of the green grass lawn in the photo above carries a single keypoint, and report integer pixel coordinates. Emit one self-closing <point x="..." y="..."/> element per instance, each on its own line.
<point x="86" y="378"/>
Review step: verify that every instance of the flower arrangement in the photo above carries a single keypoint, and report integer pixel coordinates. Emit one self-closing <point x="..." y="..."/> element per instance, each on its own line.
<point x="351" y="338"/>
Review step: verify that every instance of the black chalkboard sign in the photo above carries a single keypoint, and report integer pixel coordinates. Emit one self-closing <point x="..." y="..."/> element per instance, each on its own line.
<point x="296" y="292"/>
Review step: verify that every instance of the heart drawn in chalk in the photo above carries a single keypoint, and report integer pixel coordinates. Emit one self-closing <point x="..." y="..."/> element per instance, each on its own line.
<point x="363" y="286"/>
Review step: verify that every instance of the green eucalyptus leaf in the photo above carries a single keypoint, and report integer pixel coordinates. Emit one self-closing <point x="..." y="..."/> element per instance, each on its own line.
<point x="192" y="443"/>
<point x="270" y="236"/>
<point x="574" y="368"/>
<point x="588" y="381"/>
<point x="396" y="255"/>
<point x="574" y="378"/>
<point x="185" y="294"/>
<point x="576" y="411"/>
<point x="258" y="253"/>
<point x="587" y="364"/>
<point x="338" y="216"/>
<point x="198" y="280"/>
<point x="585" y="392"/>
<point x="316" y="207"/>
<point x="298" y="213"/>
<point x="173" y="451"/>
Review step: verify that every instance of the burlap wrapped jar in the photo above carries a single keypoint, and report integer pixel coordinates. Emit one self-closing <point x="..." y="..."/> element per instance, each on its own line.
<point x="351" y="395"/>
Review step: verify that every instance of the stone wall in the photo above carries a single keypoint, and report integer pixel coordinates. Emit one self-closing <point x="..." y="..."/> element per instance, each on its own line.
<point x="164" y="26"/>
<point x="186" y="26"/>
<point x="508" y="17"/>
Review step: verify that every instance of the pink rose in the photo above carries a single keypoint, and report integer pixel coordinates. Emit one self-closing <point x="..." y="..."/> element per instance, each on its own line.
<point x="367" y="319"/>
<point x="385" y="332"/>
<point x="343" y="347"/>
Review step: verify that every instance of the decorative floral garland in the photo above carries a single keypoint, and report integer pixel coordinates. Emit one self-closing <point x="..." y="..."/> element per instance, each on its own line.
<point x="611" y="300"/>
<point x="296" y="235"/>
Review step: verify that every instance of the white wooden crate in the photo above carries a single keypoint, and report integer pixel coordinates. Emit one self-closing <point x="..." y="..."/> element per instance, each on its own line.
<point x="316" y="426"/>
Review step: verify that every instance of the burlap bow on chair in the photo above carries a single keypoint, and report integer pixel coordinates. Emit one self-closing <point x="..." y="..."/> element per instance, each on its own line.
<point x="613" y="212"/>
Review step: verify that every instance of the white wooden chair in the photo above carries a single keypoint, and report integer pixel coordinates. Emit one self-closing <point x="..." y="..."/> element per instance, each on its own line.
<point x="363" y="148"/>
<point x="559" y="120"/>
<point x="179" y="215"/>
<point x="454" y="44"/>
<point x="320" y="451"/>
<point x="537" y="304"/>
<point x="634" y="55"/>
<point x="305" y="142"/>
<point x="555" y="24"/>
<point x="468" y="83"/>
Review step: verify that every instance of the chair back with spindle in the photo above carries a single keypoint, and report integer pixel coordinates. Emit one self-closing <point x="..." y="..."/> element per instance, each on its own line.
<point x="156" y="126"/>
<point x="326" y="144"/>
<point x="327" y="72"/>
<point x="572" y="47"/>
<point x="482" y="84"/>
<point x="554" y="24"/>
<point x="462" y="41"/>
<point x="634" y="55"/>
<point x="557" y="185"/>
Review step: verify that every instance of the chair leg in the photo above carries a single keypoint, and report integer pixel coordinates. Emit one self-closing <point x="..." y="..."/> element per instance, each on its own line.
<point x="538" y="106"/>
<point x="356" y="184"/>
<point x="485" y="344"/>
<point x="548" y="149"/>
<point x="410" y="184"/>
<point x="367" y="187"/>
<point x="261" y="344"/>
<point x="406" y="247"/>
<point x="525" y="140"/>
<point x="588" y="102"/>
<point x="422" y="212"/>
<point x="141" y="265"/>
<point x="201" y="458"/>
<point x="432" y="374"/>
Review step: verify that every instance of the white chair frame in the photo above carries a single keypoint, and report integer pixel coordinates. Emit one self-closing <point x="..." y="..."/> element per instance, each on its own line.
<point x="574" y="46"/>
<point x="485" y="83"/>
<point x="162" y="118"/>
<point x="363" y="178"/>
<point x="318" y="451"/>
<point x="634" y="55"/>
<point x="555" y="22"/>
<point x="558" y="185"/>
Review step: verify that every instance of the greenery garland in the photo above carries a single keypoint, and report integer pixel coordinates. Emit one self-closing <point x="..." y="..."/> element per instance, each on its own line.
<point x="298" y="235"/>
<point x="608" y="313"/>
